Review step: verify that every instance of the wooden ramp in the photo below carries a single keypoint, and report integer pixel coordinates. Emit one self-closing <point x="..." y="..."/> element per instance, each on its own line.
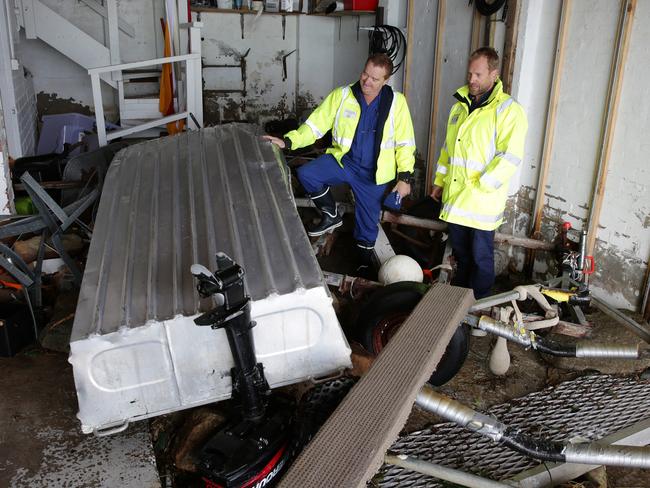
<point x="348" y="450"/>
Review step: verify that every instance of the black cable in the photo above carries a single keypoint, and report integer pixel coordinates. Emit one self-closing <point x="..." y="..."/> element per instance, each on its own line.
<point x="388" y="40"/>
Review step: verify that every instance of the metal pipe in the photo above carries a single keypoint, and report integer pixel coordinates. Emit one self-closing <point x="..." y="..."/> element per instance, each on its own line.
<point x="433" y="402"/>
<point x="411" y="221"/>
<point x="606" y="351"/>
<point x="635" y="327"/>
<point x="495" y="300"/>
<point x="588" y="453"/>
<point x="437" y="225"/>
<point x="592" y="453"/>
<point x="528" y="338"/>
<point x="441" y="472"/>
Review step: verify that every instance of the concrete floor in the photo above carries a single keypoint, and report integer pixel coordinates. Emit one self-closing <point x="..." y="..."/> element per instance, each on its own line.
<point x="41" y="444"/>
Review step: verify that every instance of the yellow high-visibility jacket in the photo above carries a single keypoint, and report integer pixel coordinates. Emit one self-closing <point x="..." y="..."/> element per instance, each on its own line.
<point x="481" y="152"/>
<point x="340" y="112"/>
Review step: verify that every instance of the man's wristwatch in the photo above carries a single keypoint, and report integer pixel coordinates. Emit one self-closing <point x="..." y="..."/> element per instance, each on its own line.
<point x="406" y="177"/>
<point x="287" y="142"/>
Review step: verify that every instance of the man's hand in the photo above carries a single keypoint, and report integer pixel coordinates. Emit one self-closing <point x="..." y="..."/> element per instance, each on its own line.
<point x="436" y="193"/>
<point x="275" y="140"/>
<point x="403" y="188"/>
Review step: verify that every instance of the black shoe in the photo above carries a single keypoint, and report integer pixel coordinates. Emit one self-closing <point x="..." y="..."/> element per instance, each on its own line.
<point x="331" y="218"/>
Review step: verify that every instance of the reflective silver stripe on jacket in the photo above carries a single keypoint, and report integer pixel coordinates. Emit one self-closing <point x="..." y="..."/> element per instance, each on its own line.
<point x="488" y="219"/>
<point x="343" y="141"/>
<point x="511" y="158"/>
<point x="441" y="169"/>
<point x="389" y="143"/>
<point x="504" y="105"/>
<point x="407" y="142"/>
<point x="318" y="134"/>
<point x="467" y="163"/>
<point x="345" y="92"/>
<point x="489" y="180"/>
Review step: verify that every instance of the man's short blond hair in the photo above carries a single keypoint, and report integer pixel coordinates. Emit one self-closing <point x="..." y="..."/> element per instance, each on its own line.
<point x="490" y="54"/>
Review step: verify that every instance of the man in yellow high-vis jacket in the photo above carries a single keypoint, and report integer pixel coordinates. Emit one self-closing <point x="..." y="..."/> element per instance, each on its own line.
<point x="483" y="148"/>
<point x="373" y="144"/>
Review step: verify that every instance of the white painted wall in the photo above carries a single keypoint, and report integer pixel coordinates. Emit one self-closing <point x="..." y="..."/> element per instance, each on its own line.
<point x="623" y="238"/>
<point x="624" y="233"/>
<point x="623" y="241"/>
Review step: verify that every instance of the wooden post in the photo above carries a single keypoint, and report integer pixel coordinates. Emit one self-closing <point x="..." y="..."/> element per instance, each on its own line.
<point x="476" y="31"/>
<point x="611" y="112"/>
<point x="510" y="47"/>
<point x="409" y="49"/>
<point x="435" y="94"/>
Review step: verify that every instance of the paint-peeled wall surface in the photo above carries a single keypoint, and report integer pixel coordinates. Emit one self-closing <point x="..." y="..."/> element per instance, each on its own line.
<point x="623" y="241"/>
<point x="275" y="66"/>
<point x="623" y="234"/>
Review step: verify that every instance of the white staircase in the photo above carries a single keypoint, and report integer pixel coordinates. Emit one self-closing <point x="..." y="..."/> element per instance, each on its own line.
<point x="138" y="90"/>
<point x="40" y="21"/>
<point x="138" y="95"/>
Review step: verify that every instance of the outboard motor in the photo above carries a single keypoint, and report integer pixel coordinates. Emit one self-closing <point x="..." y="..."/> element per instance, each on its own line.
<point x="253" y="447"/>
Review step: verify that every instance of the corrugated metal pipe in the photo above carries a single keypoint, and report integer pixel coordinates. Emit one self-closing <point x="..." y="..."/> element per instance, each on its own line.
<point x="625" y="456"/>
<point x="581" y="349"/>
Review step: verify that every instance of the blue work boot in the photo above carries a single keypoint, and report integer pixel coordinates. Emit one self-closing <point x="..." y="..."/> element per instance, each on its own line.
<point x="331" y="218"/>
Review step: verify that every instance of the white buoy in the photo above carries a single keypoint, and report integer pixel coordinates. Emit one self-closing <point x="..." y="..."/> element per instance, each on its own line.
<point x="500" y="357"/>
<point x="400" y="268"/>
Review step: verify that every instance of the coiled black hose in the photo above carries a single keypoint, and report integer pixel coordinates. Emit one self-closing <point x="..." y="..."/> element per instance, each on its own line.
<point x="389" y="40"/>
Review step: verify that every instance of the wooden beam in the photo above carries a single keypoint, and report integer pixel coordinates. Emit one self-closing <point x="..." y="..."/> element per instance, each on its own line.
<point x="628" y="8"/>
<point x="409" y="48"/>
<point x="645" y="305"/>
<point x="510" y="47"/>
<point x="435" y="94"/>
<point x="475" y="40"/>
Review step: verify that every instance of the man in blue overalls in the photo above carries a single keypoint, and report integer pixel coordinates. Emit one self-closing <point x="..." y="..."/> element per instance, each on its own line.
<point x="372" y="144"/>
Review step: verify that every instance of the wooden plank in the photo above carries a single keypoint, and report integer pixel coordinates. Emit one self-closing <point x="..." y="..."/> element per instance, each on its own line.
<point x="349" y="449"/>
<point x="510" y="48"/>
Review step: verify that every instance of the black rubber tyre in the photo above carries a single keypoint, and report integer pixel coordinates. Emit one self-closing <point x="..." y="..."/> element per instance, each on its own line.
<point x="385" y="312"/>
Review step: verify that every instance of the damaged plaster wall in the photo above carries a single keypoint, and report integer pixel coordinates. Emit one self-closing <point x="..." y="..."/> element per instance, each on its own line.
<point x="623" y="241"/>
<point x="62" y="85"/>
<point x="320" y="53"/>
<point x="623" y="238"/>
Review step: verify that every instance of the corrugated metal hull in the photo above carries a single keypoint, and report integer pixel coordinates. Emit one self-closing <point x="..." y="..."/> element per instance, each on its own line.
<point x="167" y="204"/>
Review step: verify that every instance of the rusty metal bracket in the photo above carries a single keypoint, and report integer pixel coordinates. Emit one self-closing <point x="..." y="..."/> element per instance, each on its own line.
<point x="284" y="63"/>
